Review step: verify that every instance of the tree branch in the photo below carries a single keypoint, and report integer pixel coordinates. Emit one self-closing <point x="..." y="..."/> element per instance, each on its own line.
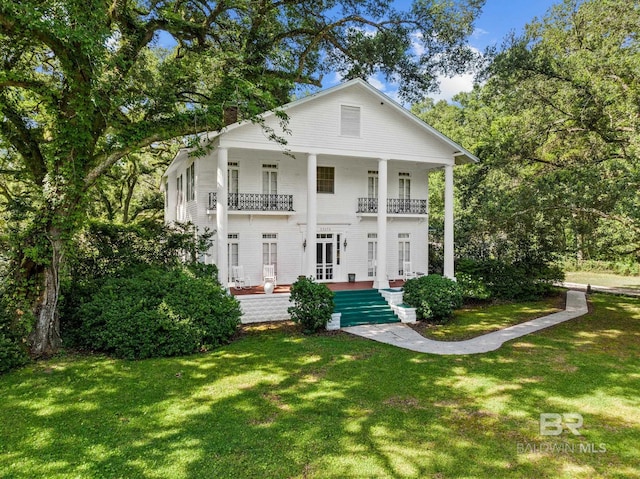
<point x="22" y="139"/>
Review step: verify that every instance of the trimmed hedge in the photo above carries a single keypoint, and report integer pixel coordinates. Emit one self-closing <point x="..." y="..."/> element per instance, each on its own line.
<point x="312" y="304"/>
<point x="156" y="312"/>
<point x="434" y="297"/>
<point x="509" y="281"/>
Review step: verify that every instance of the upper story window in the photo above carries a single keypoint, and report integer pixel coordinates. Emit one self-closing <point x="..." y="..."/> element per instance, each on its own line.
<point x="191" y="182"/>
<point x="404" y="186"/>
<point x="270" y="179"/>
<point x="350" y="121"/>
<point x="233" y="177"/>
<point x="325" y="179"/>
<point x="372" y="184"/>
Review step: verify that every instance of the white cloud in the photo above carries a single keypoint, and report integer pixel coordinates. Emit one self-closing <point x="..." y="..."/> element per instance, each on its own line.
<point x="377" y="84"/>
<point x="478" y="33"/>
<point x="416" y="43"/>
<point x="450" y="86"/>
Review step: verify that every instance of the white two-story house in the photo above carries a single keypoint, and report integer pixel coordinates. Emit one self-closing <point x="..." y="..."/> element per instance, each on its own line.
<point x="345" y="198"/>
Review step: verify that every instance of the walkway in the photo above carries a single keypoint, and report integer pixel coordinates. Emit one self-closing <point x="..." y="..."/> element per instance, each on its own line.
<point x="603" y="289"/>
<point x="402" y="336"/>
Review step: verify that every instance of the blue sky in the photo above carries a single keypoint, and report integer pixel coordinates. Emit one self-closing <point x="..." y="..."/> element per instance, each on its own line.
<point x="498" y="18"/>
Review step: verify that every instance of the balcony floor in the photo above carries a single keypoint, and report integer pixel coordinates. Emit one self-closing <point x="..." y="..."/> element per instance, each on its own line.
<point x="286" y="288"/>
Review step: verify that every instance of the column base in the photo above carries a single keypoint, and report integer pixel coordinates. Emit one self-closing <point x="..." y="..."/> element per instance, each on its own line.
<point x="377" y="284"/>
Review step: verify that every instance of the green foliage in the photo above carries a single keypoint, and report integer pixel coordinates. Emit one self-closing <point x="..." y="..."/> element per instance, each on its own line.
<point x="473" y="287"/>
<point x="153" y="261"/>
<point x="624" y="268"/>
<point x="15" y="320"/>
<point x="556" y="126"/>
<point x="434" y="297"/>
<point x="312" y="304"/>
<point x="157" y="312"/>
<point x="12" y="350"/>
<point x="106" y="249"/>
<point x="510" y="281"/>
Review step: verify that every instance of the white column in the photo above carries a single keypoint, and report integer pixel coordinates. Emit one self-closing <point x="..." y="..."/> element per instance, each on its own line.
<point x="312" y="214"/>
<point x="426" y="266"/>
<point x="381" y="281"/>
<point x="221" y="217"/>
<point x="448" y="222"/>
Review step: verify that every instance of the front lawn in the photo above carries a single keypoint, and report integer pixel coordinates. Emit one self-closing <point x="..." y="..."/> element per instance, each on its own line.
<point x="603" y="279"/>
<point x="476" y="320"/>
<point x="277" y="404"/>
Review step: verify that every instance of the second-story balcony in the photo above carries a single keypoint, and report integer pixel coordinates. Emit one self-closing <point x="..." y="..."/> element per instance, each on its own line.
<point x="394" y="206"/>
<point x="254" y="202"/>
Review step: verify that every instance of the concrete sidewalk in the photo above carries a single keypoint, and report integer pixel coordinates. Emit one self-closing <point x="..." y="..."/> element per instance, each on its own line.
<point x="402" y="336"/>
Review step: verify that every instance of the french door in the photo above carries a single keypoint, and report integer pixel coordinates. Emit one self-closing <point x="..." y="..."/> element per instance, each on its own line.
<point x="325" y="257"/>
<point x="269" y="187"/>
<point x="372" y="258"/>
<point x="404" y="255"/>
<point x="233" y="175"/>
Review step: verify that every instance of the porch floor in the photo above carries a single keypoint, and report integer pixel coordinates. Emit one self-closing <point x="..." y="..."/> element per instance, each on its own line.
<point x="286" y="288"/>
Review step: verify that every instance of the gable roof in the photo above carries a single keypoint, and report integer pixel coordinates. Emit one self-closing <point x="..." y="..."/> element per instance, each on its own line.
<point x="462" y="154"/>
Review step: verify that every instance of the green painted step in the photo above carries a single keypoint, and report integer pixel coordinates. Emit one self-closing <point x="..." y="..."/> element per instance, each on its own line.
<point x="363" y="307"/>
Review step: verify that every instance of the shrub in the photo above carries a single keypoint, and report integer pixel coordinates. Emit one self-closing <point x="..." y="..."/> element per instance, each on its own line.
<point x="512" y="281"/>
<point x="106" y="249"/>
<point x="472" y="287"/>
<point x="312" y="304"/>
<point x="13" y="354"/>
<point x="13" y="321"/>
<point x="434" y="297"/>
<point x="156" y="312"/>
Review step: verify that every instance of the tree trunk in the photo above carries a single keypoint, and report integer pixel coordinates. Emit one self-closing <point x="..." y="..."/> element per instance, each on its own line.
<point x="45" y="337"/>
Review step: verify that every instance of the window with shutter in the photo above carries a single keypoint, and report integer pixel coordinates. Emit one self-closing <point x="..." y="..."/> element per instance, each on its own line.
<point x="350" y="121"/>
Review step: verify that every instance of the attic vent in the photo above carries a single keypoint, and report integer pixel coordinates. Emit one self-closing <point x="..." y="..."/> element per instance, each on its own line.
<point x="349" y="120"/>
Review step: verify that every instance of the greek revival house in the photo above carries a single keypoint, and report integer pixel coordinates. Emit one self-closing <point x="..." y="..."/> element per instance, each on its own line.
<point x="345" y="199"/>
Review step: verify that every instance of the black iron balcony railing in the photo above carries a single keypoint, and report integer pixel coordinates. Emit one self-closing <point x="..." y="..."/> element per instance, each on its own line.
<point x="394" y="205"/>
<point x="254" y="202"/>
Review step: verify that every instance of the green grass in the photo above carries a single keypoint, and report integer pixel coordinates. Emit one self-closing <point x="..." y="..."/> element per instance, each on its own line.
<point x="277" y="404"/>
<point x="476" y="320"/>
<point x="603" y="279"/>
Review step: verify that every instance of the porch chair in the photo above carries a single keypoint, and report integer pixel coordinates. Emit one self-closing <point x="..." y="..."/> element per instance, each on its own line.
<point x="269" y="274"/>
<point x="407" y="272"/>
<point x="238" y="277"/>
